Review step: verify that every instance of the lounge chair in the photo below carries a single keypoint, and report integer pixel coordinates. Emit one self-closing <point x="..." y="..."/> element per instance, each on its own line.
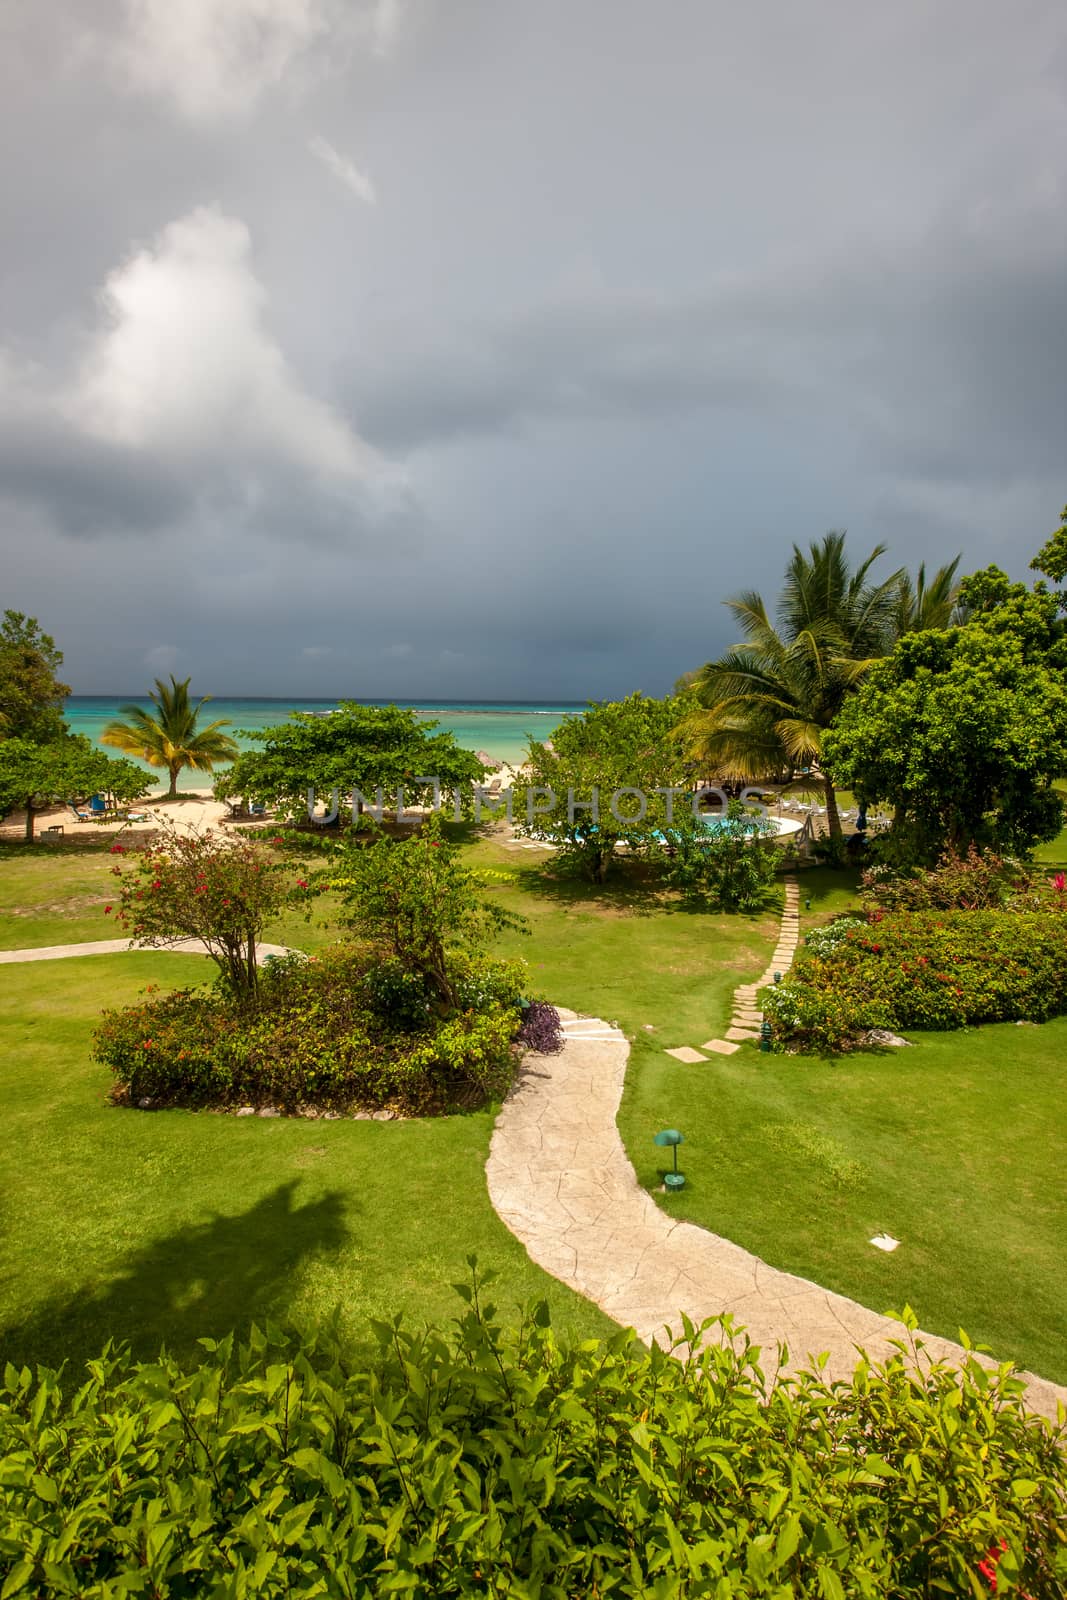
<point x="79" y="816"/>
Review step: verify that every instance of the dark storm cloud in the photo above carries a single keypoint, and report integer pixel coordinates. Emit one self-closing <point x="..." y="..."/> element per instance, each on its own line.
<point x="464" y="348"/>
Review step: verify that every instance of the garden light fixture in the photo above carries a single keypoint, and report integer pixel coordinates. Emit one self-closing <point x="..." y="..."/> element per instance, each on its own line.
<point x="671" y="1137"/>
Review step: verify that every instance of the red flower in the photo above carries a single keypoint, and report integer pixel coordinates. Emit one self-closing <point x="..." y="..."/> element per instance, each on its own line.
<point x="117" y="850"/>
<point x="107" y="911"/>
<point x="301" y="883"/>
<point x="158" y="884"/>
<point x="277" y="839"/>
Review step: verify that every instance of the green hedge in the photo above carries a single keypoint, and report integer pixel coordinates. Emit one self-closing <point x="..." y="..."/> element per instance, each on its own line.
<point x="326" y="1032"/>
<point x="937" y="970"/>
<point x="482" y="1463"/>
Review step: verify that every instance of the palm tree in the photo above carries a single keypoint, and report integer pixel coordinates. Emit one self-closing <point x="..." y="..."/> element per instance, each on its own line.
<point x="926" y="605"/>
<point x="766" y="703"/>
<point x="171" y="738"/>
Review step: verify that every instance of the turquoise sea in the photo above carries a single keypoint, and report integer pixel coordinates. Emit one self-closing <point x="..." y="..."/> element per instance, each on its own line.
<point x="503" y="729"/>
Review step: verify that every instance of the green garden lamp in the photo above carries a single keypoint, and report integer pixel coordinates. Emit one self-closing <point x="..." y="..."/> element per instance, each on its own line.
<point x="807" y="903"/>
<point x="766" y="1033"/>
<point x="777" y="977"/>
<point x="671" y="1137"/>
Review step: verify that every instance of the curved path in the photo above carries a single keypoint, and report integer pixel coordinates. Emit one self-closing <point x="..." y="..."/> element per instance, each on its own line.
<point x="122" y="947"/>
<point x="561" y="1181"/>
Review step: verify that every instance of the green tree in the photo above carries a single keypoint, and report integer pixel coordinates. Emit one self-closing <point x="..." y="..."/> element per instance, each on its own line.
<point x="171" y="738"/>
<point x="416" y="902"/>
<point x="922" y="603"/>
<point x="1051" y="559"/>
<point x="767" y="703"/>
<point x="36" y="777"/>
<point x="964" y="730"/>
<point x="215" y="888"/>
<point x="569" y="787"/>
<point x="357" y="747"/>
<point x="31" y="695"/>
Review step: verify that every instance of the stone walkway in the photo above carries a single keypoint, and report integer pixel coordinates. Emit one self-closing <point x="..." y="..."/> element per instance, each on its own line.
<point x="117" y="947"/>
<point x="560" y="1179"/>
<point x="746" y="1018"/>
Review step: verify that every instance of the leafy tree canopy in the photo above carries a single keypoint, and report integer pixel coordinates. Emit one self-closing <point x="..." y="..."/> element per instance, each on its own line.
<point x="170" y="737"/>
<point x="1051" y="559"/>
<point x="630" y="744"/>
<point x="211" y="887"/>
<point x="415" y="901"/>
<point x="31" y="695"/>
<point x="357" y="747"/>
<point x="963" y="730"/>
<point x="35" y="777"/>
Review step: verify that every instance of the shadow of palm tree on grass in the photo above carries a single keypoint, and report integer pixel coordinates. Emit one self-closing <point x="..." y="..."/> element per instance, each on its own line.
<point x="198" y="1282"/>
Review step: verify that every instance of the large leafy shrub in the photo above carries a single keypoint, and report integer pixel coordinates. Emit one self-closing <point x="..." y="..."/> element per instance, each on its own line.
<point x="417" y="904"/>
<point x="924" y="969"/>
<point x="324" y="1033"/>
<point x="217" y="888"/>
<point x="479" y="1462"/>
<point x="729" y="867"/>
<point x="973" y="880"/>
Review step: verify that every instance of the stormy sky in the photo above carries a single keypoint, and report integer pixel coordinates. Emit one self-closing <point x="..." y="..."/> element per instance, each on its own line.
<point x="447" y="348"/>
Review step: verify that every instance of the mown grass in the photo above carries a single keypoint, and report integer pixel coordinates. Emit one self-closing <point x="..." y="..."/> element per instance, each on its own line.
<point x="171" y="1225"/>
<point x="166" y="1221"/>
<point x="954" y="1146"/>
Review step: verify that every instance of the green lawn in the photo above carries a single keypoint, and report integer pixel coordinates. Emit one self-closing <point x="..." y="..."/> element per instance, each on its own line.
<point x="158" y="1224"/>
<point x="173" y="1225"/>
<point x="956" y="1147"/>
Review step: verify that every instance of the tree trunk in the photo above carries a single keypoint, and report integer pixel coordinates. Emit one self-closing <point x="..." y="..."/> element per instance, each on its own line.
<point x="31" y="817"/>
<point x="172" y="792"/>
<point x="833" y="820"/>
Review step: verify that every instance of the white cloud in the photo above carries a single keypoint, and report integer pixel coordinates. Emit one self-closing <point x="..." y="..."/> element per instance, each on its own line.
<point x="216" y="58"/>
<point x="186" y="368"/>
<point x="396" y="652"/>
<point x="343" y="169"/>
<point x="315" y="651"/>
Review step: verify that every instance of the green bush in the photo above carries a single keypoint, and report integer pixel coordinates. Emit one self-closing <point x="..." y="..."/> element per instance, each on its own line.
<point x="937" y="970"/>
<point x="728" y="868"/>
<point x="320" y="1035"/>
<point x="482" y="1462"/>
<point x="979" y="880"/>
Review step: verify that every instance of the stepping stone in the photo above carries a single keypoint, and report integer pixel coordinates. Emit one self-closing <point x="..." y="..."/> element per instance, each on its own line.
<point x="746" y="1019"/>
<point x="721" y="1047"/>
<point x="738" y="1034"/>
<point x="687" y="1054"/>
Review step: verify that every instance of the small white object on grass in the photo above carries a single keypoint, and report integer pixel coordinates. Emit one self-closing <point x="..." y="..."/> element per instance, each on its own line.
<point x="884" y="1241"/>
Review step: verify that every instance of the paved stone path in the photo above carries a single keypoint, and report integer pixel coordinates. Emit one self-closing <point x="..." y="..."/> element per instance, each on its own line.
<point x="560" y="1179"/>
<point x="746" y="1019"/>
<point x="116" y="947"/>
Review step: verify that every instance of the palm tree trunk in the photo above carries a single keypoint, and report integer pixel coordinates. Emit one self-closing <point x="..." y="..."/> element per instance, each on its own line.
<point x="172" y="792"/>
<point x="833" y="819"/>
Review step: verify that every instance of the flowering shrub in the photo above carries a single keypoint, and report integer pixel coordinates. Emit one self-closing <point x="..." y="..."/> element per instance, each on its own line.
<point x="318" y="1036"/>
<point x="476" y="1460"/>
<point x="924" y="969"/>
<point x="981" y="880"/>
<point x="216" y="888"/>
